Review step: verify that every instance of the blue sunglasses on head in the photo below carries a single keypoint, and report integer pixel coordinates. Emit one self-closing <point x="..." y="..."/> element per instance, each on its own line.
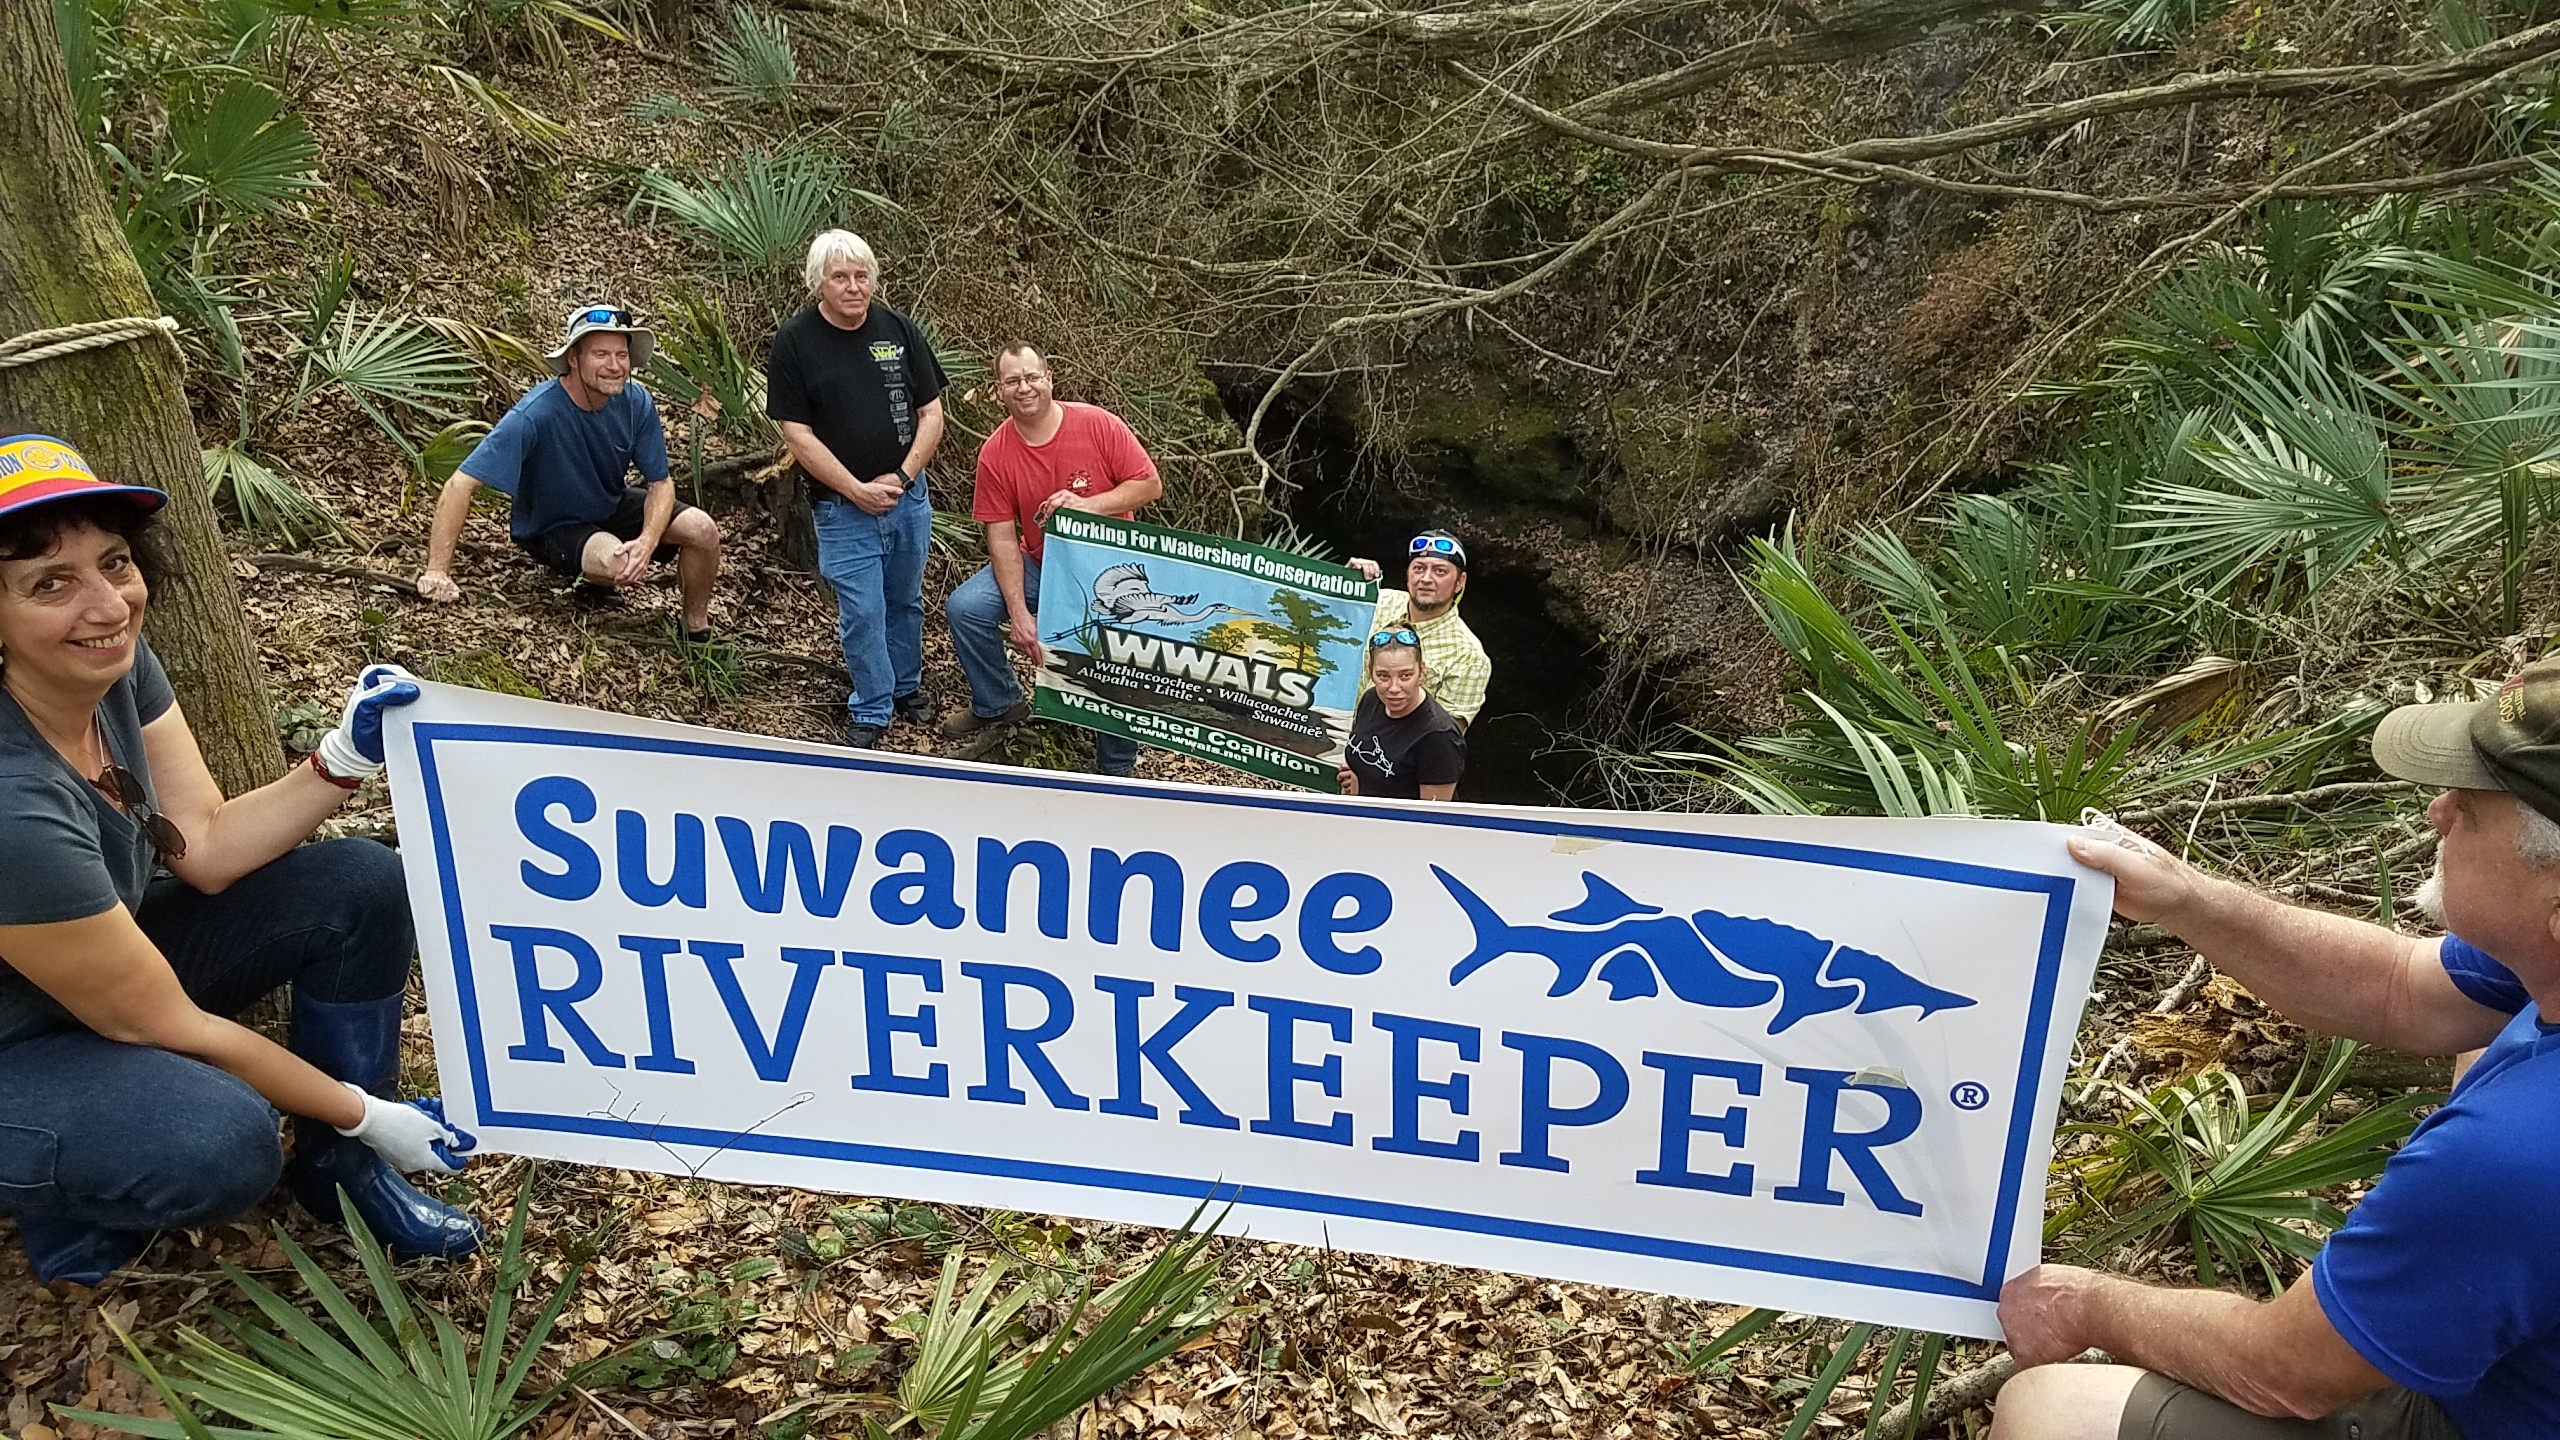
<point x="601" y="315"/>
<point x="1395" y="637"/>
<point x="1439" y="545"/>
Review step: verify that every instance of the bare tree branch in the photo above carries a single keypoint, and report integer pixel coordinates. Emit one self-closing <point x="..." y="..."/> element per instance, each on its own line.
<point x="1972" y="421"/>
<point x="1292" y="37"/>
<point x="1879" y="153"/>
<point x="1844" y="34"/>
<point x="2328" y="83"/>
<point x="2425" y="181"/>
<point x="1618" y="221"/>
<point x="1834" y="165"/>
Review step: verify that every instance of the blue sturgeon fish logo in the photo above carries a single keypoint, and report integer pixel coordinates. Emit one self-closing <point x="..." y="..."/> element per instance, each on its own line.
<point x="1729" y="962"/>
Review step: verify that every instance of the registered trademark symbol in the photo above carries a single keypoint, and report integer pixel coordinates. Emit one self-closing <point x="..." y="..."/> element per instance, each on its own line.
<point x="1970" y="1095"/>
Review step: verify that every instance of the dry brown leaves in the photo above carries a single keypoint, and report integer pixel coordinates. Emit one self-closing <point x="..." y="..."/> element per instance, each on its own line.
<point x="1322" y="1343"/>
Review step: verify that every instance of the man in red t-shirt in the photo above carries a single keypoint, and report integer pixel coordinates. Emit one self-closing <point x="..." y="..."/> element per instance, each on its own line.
<point x="1047" y="455"/>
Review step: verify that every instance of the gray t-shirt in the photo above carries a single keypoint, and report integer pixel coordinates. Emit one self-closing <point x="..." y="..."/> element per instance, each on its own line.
<point x="68" y="852"/>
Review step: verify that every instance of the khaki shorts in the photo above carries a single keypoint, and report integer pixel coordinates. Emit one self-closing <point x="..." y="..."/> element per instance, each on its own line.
<point x="2162" y="1409"/>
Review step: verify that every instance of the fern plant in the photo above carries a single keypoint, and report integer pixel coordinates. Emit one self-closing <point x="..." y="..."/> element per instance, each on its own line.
<point x="382" y="364"/>
<point x="752" y="60"/>
<point x="243" y="154"/>
<point x="975" y="1378"/>
<point x="2234" y="1177"/>
<point x="263" y="499"/>
<point x="759" y="214"/>
<point x="410" y="1375"/>
<point x="1910" y="713"/>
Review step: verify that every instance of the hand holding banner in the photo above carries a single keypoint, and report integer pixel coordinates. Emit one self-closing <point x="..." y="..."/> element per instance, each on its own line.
<point x="1802" y="1063"/>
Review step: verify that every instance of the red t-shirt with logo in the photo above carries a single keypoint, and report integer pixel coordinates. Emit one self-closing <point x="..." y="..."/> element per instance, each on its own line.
<point x="1091" y="453"/>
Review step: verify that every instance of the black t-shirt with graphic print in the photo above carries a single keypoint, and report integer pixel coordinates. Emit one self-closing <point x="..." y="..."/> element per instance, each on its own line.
<point x="1394" y="759"/>
<point x="858" y="389"/>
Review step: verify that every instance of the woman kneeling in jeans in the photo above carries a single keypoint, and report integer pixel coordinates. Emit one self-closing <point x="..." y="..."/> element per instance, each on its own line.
<point x="141" y="908"/>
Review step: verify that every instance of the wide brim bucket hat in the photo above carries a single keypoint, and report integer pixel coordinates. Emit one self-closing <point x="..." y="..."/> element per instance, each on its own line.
<point x="602" y="320"/>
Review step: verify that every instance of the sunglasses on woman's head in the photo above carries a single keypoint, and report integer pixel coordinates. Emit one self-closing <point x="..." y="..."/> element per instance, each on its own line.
<point x="1394" y="637"/>
<point x="125" y="788"/>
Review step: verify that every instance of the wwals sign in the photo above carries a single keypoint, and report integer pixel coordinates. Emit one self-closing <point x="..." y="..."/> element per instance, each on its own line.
<point x="1232" y="652"/>
<point x="1801" y="1063"/>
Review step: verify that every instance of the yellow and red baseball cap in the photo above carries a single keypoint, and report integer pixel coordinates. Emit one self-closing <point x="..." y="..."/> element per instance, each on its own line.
<point x="38" y="469"/>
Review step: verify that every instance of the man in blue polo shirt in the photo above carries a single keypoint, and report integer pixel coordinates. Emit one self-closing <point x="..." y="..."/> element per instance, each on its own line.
<point x="2435" y="1310"/>
<point x="562" y="455"/>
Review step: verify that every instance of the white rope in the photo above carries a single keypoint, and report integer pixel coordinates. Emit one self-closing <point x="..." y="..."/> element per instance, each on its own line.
<point x="38" y="345"/>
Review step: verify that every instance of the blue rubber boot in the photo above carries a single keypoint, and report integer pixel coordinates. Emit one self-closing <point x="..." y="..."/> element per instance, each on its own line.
<point x="360" y="1041"/>
<point x="78" y="1251"/>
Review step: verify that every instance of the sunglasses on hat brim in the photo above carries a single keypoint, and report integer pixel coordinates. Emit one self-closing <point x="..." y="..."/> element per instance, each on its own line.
<point x="1440" y="545"/>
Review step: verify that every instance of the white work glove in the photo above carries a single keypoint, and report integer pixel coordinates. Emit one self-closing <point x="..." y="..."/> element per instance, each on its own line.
<point x="354" y="750"/>
<point x="410" y="1136"/>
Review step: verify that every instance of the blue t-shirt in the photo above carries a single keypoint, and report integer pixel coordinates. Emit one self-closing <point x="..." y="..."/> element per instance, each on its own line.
<point x="563" y="465"/>
<point x="2447" y="1276"/>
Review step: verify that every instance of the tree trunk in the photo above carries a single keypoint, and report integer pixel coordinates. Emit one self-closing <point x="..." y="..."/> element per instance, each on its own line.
<point x="64" y="260"/>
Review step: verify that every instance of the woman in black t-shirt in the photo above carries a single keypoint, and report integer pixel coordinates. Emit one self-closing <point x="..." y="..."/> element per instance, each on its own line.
<point x="1403" y="745"/>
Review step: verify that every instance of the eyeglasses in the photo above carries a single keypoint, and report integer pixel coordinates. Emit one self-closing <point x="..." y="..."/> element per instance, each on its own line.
<point x="1438" y="545"/>
<point x="601" y="315"/>
<point x="123" y="787"/>
<point x="1398" y="636"/>
<point x="1022" y="382"/>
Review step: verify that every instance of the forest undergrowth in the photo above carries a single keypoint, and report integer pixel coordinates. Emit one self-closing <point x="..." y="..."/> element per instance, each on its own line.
<point x="2306" y="475"/>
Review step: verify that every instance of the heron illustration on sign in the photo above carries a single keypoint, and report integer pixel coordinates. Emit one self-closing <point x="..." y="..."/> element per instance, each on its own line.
<point x="1122" y="595"/>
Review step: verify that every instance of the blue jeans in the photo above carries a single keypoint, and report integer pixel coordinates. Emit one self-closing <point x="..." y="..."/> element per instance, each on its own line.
<point x="875" y="564"/>
<point x="139" y="1138"/>
<point x="979" y="626"/>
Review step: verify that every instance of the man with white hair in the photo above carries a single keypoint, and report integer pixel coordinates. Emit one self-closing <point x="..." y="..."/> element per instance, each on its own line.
<point x="858" y="394"/>
<point x="562" y="455"/>
<point x="2435" y="1310"/>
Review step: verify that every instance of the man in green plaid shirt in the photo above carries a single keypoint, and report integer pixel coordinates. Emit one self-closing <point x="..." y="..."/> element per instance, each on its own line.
<point x="1454" y="663"/>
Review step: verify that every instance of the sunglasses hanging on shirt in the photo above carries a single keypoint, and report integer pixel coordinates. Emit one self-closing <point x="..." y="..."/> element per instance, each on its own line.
<point x="126" y="789"/>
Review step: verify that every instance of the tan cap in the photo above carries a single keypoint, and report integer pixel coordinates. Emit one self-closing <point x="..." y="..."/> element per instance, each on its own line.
<point x="2510" y="741"/>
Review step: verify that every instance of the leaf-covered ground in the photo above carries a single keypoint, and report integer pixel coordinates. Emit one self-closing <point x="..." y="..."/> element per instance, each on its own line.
<point x="790" y="1300"/>
<point x="797" y="1291"/>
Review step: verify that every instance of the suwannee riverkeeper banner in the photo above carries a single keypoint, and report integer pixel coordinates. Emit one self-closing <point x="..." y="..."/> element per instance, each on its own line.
<point x="1217" y="648"/>
<point x="1800" y="1063"/>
